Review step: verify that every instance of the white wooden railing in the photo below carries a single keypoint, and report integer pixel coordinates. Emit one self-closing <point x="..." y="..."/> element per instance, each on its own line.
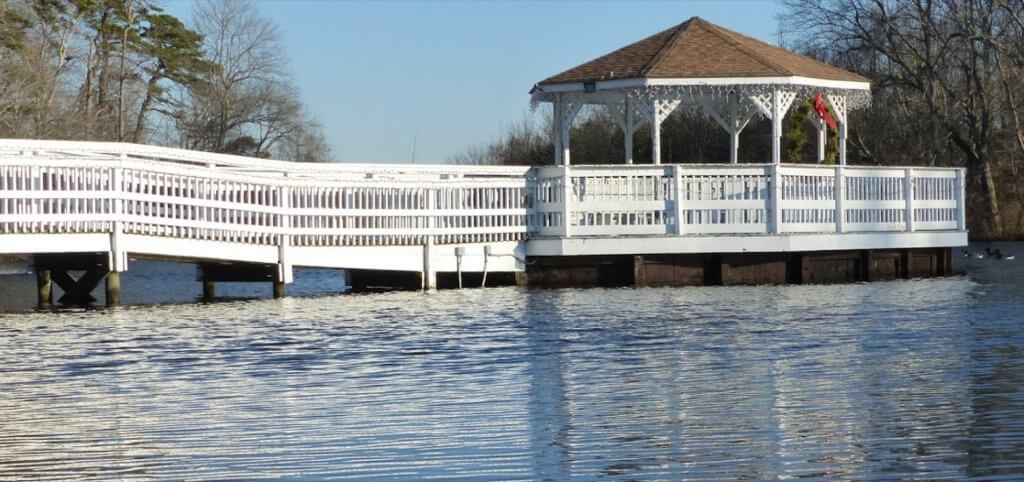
<point x="55" y="196"/>
<point x="54" y="187"/>
<point x="703" y="199"/>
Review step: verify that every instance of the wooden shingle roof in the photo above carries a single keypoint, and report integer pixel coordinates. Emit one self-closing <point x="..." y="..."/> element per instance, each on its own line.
<point x="699" y="49"/>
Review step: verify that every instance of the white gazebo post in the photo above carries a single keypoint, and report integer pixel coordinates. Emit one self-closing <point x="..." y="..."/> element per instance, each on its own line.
<point x="556" y="116"/>
<point x="657" y="110"/>
<point x="732" y="115"/>
<point x="822" y="128"/>
<point x="565" y="110"/>
<point x="838" y="102"/>
<point x="628" y="129"/>
<point x="781" y="100"/>
<point x="737" y="121"/>
<point x="655" y="134"/>
<point x="774" y="106"/>
<point x="624" y="114"/>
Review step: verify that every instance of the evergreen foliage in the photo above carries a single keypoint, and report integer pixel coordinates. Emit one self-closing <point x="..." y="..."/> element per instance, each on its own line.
<point x="124" y="70"/>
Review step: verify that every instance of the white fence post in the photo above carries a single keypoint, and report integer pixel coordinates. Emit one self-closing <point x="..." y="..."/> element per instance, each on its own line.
<point x="532" y="203"/>
<point x="33" y="206"/>
<point x="118" y="258"/>
<point x="429" y="275"/>
<point x="908" y="196"/>
<point x="776" y="199"/>
<point x="677" y="185"/>
<point x="284" y="267"/>
<point x="566" y="201"/>
<point x="961" y="208"/>
<point x="840" y="195"/>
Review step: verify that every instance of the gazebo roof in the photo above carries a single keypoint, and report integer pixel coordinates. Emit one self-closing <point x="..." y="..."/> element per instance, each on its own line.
<point x="698" y="49"/>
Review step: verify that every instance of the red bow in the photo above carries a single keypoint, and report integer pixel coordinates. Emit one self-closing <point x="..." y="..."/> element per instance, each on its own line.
<point x="823" y="113"/>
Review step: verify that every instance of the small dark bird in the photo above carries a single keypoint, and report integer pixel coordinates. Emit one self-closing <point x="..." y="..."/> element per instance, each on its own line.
<point x="1003" y="256"/>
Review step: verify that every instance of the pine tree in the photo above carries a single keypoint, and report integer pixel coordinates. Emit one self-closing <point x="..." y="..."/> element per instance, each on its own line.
<point x="173" y="53"/>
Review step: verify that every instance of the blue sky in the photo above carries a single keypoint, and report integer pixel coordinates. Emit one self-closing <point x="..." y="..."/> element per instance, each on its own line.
<point x="451" y="74"/>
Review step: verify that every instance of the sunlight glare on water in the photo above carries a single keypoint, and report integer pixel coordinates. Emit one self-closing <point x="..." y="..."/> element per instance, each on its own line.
<point x="896" y="380"/>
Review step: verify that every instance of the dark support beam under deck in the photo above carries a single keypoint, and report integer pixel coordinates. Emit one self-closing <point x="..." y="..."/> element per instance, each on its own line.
<point x="77" y="289"/>
<point x="211" y="273"/>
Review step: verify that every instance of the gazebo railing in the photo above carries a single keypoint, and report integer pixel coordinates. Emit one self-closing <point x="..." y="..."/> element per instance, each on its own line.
<point x="696" y="199"/>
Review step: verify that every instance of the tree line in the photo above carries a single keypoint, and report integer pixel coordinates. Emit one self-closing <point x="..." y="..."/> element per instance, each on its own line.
<point x="947" y="90"/>
<point x="127" y="71"/>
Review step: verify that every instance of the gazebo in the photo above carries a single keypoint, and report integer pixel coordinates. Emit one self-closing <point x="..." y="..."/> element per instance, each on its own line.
<point x="730" y="76"/>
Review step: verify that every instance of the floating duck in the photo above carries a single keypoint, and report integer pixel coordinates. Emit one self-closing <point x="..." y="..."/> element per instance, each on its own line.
<point x="968" y="254"/>
<point x="1004" y="256"/>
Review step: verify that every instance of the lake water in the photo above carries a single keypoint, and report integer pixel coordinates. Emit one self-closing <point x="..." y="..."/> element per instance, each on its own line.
<point x="920" y="379"/>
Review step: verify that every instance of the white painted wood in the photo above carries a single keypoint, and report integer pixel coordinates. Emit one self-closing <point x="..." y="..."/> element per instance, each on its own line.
<point x="775" y="202"/>
<point x="908" y="197"/>
<point x="429" y="273"/>
<point x="656" y="138"/>
<point x="566" y="201"/>
<point x="840" y="198"/>
<point x="656" y="110"/>
<point x="839" y="106"/>
<point x="781" y="101"/>
<point x="731" y="243"/>
<point x="118" y="261"/>
<point x="709" y="81"/>
<point x="629" y="129"/>
<point x="822" y="131"/>
<point x="677" y="203"/>
<point x="284" y="267"/>
<point x="57" y="202"/>
<point x="556" y="125"/>
<point x="961" y="199"/>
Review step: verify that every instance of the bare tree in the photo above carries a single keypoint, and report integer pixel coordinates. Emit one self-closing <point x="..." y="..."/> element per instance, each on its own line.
<point x="940" y="56"/>
<point x="248" y="103"/>
<point x="247" y="48"/>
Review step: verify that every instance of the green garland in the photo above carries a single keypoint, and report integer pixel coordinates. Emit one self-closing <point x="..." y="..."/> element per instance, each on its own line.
<point x="796" y="137"/>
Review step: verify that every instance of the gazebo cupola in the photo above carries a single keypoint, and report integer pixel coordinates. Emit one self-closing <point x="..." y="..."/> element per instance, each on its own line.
<point x="730" y="76"/>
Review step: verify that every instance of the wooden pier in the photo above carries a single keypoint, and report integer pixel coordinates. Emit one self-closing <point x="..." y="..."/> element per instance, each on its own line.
<point x="85" y="207"/>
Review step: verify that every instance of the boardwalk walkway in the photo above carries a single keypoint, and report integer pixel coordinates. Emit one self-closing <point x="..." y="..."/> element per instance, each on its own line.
<point x="145" y="201"/>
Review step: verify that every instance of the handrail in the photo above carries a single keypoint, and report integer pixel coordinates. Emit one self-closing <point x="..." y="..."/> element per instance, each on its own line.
<point x="14" y="147"/>
<point x="69" y="186"/>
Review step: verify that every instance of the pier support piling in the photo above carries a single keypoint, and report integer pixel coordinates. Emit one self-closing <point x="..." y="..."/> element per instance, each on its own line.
<point x="209" y="290"/>
<point x="44" y="289"/>
<point x="113" y="285"/>
<point x="279" y="289"/>
<point x="77" y="289"/>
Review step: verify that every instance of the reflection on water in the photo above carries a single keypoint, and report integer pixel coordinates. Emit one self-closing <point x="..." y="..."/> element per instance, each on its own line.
<point x="908" y="379"/>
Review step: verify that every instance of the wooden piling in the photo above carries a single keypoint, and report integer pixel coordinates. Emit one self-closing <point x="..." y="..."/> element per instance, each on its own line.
<point x="278" y="289"/>
<point x="44" y="289"/>
<point x="113" y="281"/>
<point x="209" y="290"/>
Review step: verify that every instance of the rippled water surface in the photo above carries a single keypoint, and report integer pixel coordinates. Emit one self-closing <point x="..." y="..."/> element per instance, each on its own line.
<point x="899" y="380"/>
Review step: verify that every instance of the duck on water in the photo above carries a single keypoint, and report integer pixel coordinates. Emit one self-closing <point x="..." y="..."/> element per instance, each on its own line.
<point x="992" y="253"/>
